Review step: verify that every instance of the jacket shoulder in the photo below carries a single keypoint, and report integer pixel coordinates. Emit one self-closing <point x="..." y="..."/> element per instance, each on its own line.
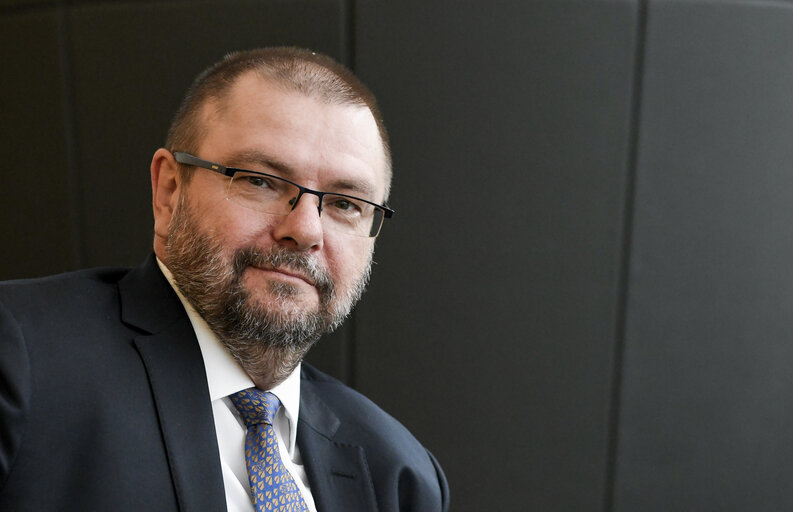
<point x="350" y="404"/>
<point x="59" y="289"/>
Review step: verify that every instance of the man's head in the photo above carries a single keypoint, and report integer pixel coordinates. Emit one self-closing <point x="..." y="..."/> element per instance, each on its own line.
<point x="269" y="285"/>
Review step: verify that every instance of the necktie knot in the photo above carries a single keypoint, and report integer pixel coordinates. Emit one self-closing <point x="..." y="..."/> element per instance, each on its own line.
<point x="256" y="406"/>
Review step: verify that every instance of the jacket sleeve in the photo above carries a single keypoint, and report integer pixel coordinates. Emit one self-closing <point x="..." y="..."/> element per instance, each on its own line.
<point x="14" y="390"/>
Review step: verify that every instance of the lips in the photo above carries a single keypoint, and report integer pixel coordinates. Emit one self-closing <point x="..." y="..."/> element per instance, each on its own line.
<point x="289" y="272"/>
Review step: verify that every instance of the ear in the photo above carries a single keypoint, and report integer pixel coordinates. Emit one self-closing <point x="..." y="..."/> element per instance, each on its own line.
<point x="165" y="189"/>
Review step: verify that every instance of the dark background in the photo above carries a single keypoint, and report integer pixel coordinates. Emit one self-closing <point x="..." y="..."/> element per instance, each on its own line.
<point x="584" y="300"/>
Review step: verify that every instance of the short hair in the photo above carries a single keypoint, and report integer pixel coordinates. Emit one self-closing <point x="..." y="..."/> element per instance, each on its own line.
<point x="296" y="69"/>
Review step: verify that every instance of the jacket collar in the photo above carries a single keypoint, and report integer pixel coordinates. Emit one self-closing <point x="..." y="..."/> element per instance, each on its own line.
<point x="147" y="300"/>
<point x="172" y="358"/>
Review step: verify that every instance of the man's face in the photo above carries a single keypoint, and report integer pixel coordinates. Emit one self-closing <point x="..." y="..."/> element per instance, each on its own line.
<point x="245" y="270"/>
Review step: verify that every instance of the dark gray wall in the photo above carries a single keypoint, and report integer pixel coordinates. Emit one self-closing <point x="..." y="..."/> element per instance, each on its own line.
<point x="706" y="421"/>
<point x="494" y="308"/>
<point x="583" y="300"/>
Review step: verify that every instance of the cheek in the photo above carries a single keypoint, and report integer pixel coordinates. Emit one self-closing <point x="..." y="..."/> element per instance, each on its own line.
<point x="348" y="262"/>
<point x="219" y="217"/>
<point x="238" y="229"/>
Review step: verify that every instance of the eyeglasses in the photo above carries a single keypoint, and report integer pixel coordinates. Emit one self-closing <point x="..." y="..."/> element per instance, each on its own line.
<point x="266" y="193"/>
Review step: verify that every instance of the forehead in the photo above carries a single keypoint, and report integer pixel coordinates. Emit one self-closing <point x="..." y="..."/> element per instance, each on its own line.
<point x="320" y="141"/>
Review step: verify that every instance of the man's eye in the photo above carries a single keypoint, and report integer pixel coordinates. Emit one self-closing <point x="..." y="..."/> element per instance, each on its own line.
<point x="257" y="181"/>
<point x="346" y="206"/>
<point x="343" y="204"/>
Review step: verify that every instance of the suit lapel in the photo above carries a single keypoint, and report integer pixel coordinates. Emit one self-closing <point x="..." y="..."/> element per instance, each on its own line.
<point x="175" y="368"/>
<point x="337" y="472"/>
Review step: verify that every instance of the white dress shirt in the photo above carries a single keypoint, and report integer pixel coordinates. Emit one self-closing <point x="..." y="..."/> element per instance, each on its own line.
<point x="225" y="377"/>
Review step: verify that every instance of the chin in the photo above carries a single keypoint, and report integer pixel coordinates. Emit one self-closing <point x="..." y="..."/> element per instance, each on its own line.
<point x="285" y="300"/>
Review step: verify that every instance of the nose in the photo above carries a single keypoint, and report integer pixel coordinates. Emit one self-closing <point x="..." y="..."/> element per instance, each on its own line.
<point x="301" y="229"/>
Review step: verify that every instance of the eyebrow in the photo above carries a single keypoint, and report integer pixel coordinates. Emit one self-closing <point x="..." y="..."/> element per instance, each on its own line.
<point x="259" y="158"/>
<point x="239" y="160"/>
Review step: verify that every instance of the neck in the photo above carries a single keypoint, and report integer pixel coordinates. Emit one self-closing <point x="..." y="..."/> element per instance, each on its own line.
<point x="266" y="366"/>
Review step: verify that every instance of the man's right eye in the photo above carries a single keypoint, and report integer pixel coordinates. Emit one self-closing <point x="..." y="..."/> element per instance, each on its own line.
<point x="257" y="181"/>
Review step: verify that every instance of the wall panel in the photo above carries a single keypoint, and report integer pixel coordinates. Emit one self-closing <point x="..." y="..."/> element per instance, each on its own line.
<point x="35" y="199"/>
<point x="704" y="422"/>
<point x="491" y="327"/>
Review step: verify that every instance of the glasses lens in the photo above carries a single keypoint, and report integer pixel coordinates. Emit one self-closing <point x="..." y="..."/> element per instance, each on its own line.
<point x="269" y="194"/>
<point x="262" y="193"/>
<point x="351" y="215"/>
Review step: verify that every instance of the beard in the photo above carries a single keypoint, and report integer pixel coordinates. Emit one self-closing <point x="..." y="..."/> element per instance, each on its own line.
<point x="268" y="340"/>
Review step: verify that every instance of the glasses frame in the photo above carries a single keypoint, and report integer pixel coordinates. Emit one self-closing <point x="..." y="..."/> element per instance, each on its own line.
<point x="188" y="159"/>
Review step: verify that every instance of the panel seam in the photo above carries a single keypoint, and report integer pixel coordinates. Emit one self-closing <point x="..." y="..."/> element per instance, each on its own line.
<point x="71" y="140"/>
<point x="623" y="285"/>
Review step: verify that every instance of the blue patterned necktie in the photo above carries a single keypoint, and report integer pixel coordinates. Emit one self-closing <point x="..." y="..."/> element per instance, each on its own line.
<point x="273" y="487"/>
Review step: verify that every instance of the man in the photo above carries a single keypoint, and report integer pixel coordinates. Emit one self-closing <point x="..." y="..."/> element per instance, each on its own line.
<point x="178" y="385"/>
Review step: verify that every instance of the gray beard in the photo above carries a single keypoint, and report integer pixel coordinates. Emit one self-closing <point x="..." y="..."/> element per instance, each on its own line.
<point x="268" y="343"/>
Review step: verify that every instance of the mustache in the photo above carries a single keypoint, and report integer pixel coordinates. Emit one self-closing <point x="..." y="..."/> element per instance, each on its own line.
<point x="281" y="258"/>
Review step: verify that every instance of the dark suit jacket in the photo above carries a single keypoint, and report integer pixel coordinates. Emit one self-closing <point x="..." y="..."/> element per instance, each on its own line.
<point x="104" y="406"/>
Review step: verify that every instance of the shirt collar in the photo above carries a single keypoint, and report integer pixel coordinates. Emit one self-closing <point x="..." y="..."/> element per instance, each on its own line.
<point x="225" y="376"/>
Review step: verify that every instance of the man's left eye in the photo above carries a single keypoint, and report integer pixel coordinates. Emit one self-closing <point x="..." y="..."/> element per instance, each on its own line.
<point x="345" y="205"/>
<point x="257" y="181"/>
